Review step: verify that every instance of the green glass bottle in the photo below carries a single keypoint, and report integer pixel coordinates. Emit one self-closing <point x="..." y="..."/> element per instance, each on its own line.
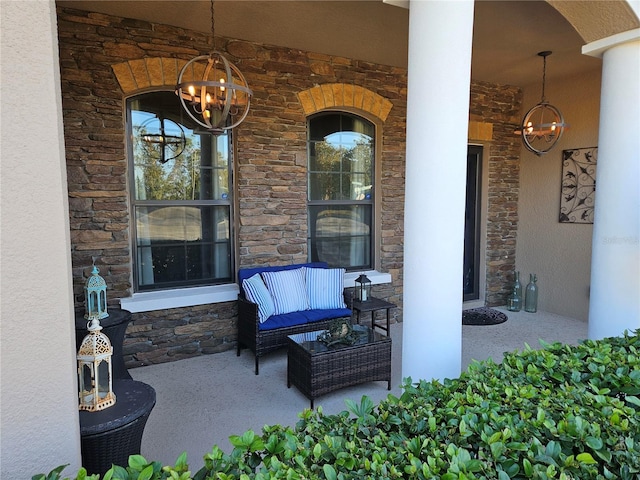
<point x="531" y="295"/>
<point x="514" y="302"/>
<point x="517" y="286"/>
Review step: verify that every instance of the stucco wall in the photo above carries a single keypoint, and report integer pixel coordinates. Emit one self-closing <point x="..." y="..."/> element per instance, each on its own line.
<point x="559" y="253"/>
<point x="40" y="426"/>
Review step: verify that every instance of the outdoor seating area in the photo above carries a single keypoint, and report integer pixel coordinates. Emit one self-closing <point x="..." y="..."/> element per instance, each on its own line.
<point x="278" y="301"/>
<point x="224" y="398"/>
<point x="189" y="154"/>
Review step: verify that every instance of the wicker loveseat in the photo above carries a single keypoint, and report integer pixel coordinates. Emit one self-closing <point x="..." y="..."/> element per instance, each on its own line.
<point x="263" y="333"/>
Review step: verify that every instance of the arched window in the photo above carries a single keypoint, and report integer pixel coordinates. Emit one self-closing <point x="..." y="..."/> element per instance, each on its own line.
<point x="181" y="197"/>
<point x="340" y="190"/>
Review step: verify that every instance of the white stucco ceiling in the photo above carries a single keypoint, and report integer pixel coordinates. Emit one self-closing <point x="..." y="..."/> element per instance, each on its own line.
<point x="507" y="34"/>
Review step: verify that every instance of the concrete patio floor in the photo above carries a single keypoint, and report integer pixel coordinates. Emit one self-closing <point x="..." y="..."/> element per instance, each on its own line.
<point x="202" y="401"/>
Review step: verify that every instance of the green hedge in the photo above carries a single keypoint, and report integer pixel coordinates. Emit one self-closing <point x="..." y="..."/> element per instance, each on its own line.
<point x="562" y="412"/>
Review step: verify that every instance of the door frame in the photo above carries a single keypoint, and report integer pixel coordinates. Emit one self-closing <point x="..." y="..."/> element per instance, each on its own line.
<point x="481" y="226"/>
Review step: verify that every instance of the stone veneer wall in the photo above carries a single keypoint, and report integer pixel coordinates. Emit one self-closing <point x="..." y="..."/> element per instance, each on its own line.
<point x="270" y="166"/>
<point x="500" y="105"/>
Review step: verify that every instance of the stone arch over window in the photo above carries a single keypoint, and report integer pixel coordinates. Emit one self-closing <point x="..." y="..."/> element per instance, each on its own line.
<point x="331" y="95"/>
<point x="143" y="73"/>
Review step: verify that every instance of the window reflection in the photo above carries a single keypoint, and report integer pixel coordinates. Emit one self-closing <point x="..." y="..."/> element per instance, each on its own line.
<point x="181" y="196"/>
<point x="341" y="157"/>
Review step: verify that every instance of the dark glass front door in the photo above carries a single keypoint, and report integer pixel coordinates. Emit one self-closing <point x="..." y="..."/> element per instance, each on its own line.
<point x="471" y="274"/>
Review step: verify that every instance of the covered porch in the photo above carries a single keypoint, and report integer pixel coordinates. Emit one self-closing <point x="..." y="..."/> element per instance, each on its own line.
<point x="591" y="273"/>
<point x="202" y="401"/>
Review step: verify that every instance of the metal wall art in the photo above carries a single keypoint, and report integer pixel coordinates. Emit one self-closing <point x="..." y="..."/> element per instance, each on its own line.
<point x="577" y="197"/>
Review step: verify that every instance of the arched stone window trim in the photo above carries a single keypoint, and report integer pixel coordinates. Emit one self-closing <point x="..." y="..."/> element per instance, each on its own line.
<point x="144" y="73"/>
<point x="341" y="95"/>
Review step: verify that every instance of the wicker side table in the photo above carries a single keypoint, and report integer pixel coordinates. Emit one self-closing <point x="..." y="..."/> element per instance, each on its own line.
<point x="316" y="369"/>
<point x="111" y="435"/>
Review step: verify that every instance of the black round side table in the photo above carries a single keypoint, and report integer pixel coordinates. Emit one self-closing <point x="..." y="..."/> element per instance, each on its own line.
<point x="111" y="435"/>
<point x="114" y="327"/>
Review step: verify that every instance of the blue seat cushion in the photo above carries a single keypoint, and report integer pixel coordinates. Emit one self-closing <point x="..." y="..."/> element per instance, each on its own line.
<point x="300" y="318"/>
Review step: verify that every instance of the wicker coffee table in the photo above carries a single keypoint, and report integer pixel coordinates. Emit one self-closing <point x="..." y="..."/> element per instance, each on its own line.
<point x="316" y="369"/>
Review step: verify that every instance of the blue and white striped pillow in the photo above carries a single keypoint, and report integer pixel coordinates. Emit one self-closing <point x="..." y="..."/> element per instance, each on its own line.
<point x="256" y="292"/>
<point x="287" y="289"/>
<point x="325" y="287"/>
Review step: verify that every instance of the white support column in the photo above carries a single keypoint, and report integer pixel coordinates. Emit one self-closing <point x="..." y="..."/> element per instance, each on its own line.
<point x="439" y="78"/>
<point x="615" y="261"/>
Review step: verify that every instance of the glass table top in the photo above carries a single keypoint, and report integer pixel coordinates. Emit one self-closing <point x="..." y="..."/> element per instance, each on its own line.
<point x="363" y="336"/>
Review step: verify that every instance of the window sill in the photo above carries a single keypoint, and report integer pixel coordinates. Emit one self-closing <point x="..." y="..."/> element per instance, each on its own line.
<point x="376" y="277"/>
<point x="189" y="297"/>
<point x="182" y="297"/>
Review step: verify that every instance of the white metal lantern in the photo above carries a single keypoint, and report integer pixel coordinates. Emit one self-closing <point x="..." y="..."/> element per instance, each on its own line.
<point x="95" y="296"/>
<point x="363" y="288"/>
<point x="94" y="370"/>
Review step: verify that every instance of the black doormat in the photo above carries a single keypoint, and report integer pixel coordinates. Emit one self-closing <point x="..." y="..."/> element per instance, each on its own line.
<point x="483" y="316"/>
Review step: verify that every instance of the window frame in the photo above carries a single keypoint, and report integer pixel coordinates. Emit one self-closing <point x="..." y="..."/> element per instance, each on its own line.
<point x="375" y="202"/>
<point x="196" y="288"/>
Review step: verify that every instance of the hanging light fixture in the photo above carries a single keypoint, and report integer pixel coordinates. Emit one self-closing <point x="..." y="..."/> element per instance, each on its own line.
<point x="212" y="90"/>
<point x="543" y="125"/>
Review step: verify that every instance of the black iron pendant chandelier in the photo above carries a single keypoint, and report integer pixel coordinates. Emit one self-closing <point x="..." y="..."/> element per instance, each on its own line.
<point x="543" y="125"/>
<point x="213" y="91"/>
